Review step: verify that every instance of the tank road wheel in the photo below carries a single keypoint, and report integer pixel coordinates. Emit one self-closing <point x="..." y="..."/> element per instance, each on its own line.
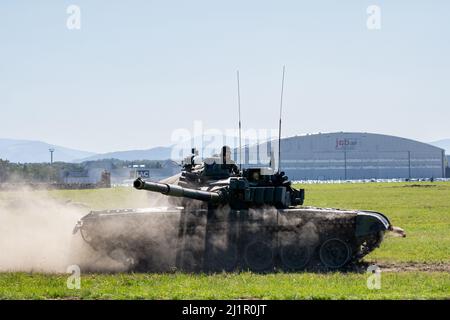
<point x="258" y="256"/>
<point x="224" y="261"/>
<point x="120" y="255"/>
<point x="334" y="253"/>
<point x="295" y="257"/>
<point x="85" y="235"/>
<point x="93" y="242"/>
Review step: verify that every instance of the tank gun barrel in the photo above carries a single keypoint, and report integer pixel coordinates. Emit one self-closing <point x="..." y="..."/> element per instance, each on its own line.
<point x="177" y="191"/>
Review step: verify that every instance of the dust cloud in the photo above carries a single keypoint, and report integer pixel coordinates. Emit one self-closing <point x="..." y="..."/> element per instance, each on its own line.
<point x="36" y="234"/>
<point x="35" y="231"/>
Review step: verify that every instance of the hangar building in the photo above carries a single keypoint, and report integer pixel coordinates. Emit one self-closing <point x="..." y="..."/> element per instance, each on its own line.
<point x="353" y="155"/>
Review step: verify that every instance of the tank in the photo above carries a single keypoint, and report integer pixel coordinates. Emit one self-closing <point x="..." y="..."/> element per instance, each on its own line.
<point x="222" y="218"/>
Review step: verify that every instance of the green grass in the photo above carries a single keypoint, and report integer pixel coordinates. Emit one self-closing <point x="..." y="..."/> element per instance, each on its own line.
<point x="407" y="285"/>
<point x="424" y="212"/>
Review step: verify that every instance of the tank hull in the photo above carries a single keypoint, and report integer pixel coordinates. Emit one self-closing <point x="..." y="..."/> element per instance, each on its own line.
<point x="261" y="240"/>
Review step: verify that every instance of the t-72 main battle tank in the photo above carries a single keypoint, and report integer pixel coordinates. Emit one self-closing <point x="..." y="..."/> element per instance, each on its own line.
<point x="230" y="219"/>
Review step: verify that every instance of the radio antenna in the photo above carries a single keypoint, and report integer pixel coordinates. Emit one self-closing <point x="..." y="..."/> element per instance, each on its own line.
<point x="279" y="124"/>
<point x="240" y="126"/>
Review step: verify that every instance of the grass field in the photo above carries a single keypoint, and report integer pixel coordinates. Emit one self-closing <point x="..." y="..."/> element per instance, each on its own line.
<point x="407" y="285"/>
<point x="422" y="209"/>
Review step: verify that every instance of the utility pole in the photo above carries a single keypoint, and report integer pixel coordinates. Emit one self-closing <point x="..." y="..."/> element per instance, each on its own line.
<point x="409" y="164"/>
<point x="345" y="164"/>
<point x="51" y="155"/>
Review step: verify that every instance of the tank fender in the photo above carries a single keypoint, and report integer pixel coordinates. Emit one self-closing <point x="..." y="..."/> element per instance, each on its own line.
<point x="371" y="222"/>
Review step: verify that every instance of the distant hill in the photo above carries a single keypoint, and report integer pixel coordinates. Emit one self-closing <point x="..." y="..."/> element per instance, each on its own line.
<point x="157" y="153"/>
<point x="444" y="144"/>
<point x="37" y="151"/>
<point x="165" y="153"/>
<point x="27" y="151"/>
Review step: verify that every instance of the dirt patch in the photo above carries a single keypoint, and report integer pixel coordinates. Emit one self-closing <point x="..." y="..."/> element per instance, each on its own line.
<point x="420" y="186"/>
<point x="412" y="266"/>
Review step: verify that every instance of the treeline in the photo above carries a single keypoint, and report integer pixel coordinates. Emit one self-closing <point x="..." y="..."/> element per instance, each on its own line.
<point x="46" y="172"/>
<point x="30" y="172"/>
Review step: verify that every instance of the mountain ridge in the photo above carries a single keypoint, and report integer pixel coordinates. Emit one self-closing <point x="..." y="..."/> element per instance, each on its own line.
<point x="29" y="151"/>
<point x="155" y="153"/>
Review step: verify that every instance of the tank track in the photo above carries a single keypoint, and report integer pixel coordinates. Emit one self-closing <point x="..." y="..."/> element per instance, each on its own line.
<point x="163" y="239"/>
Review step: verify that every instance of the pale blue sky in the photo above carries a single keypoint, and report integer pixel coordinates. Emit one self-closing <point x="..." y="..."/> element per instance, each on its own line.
<point x="137" y="70"/>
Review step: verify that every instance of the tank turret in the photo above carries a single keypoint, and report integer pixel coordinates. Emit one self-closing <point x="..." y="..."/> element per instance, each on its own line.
<point x="252" y="189"/>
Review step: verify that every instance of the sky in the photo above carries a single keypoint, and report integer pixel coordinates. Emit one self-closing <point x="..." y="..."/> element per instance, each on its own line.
<point x="138" y="71"/>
